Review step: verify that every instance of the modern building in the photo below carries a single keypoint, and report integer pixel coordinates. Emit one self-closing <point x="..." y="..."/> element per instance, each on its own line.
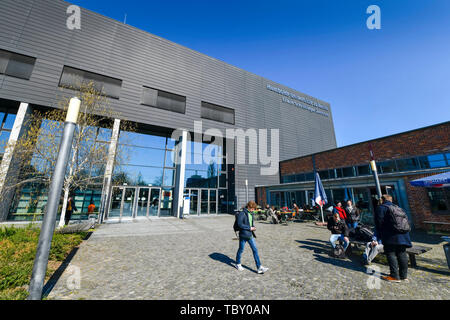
<point x="346" y="174"/>
<point x="159" y="86"/>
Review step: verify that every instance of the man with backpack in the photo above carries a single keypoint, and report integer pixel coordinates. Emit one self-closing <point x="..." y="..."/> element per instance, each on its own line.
<point x="392" y="227"/>
<point x="244" y="225"/>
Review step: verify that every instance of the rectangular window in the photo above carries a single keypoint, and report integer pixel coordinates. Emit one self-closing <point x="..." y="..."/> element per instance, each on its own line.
<point x="72" y="78"/>
<point x="363" y="170"/>
<point x="309" y="176"/>
<point x="407" y="164"/>
<point x="16" y="65"/>
<point x="387" y="166"/>
<point x="163" y="100"/>
<point x="217" y="113"/>
<point x="324" y="174"/>
<point x="332" y="173"/>
<point x="439" y="200"/>
<point x="348" y="172"/>
<point x="432" y="161"/>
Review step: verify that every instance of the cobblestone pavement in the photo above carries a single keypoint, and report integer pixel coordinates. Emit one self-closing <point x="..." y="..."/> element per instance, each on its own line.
<point x="194" y="259"/>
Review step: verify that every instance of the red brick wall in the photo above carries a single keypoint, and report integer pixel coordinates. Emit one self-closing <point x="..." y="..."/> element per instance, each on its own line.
<point x="418" y="142"/>
<point x="261" y="196"/>
<point x="421" y="207"/>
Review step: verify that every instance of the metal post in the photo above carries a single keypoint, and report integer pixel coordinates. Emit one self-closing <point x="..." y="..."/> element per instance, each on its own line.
<point x="375" y="176"/>
<point x="48" y="224"/>
<point x="246" y="189"/>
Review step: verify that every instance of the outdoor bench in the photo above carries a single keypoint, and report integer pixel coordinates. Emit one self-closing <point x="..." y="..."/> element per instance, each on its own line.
<point x="434" y="223"/>
<point x="412" y="252"/>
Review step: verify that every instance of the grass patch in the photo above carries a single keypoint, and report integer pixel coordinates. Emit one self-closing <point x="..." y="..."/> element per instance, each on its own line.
<point x="17" y="252"/>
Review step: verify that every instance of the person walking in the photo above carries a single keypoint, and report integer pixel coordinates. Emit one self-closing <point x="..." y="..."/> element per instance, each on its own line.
<point x="70" y="208"/>
<point x="392" y="227"/>
<point x="246" y="229"/>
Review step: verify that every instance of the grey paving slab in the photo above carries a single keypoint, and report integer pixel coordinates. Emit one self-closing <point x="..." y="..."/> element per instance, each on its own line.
<point x="193" y="259"/>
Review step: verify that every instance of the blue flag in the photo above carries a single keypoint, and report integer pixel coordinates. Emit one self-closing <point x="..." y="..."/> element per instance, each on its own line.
<point x="320" y="196"/>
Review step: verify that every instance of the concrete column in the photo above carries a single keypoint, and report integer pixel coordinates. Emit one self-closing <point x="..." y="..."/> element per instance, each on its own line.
<point x="180" y="161"/>
<point x="107" y="181"/>
<point x="7" y="167"/>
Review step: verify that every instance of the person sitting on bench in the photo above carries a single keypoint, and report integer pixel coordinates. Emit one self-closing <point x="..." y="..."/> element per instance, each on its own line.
<point x="372" y="249"/>
<point x="339" y="230"/>
<point x="270" y="213"/>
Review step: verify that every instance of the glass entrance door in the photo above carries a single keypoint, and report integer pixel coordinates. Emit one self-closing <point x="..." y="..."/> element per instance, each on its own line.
<point x="142" y="202"/>
<point x="212" y="201"/>
<point x="128" y="204"/>
<point x="193" y="210"/>
<point x="134" y="202"/>
<point x="204" y="202"/>
<point x="116" y="202"/>
<point x="155" y="195"/>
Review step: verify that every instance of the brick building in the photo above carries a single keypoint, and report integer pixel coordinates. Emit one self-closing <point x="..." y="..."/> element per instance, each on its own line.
<point x="345" y="173"/>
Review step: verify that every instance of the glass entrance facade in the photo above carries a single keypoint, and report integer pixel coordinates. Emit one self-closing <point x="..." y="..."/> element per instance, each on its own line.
<point x="133" y="202"/>
<point x="202" y="201"/>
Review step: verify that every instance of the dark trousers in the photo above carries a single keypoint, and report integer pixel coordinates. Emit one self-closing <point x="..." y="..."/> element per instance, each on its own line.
<point x="67" y="217"/>
<point x="398" y="260"/>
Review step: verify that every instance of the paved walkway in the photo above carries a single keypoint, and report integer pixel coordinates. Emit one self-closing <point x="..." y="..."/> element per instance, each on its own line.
<point x="193" y="259"/>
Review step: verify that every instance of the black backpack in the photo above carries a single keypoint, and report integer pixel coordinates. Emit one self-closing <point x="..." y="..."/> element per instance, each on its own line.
<point x="399" y="219"/>
<point x="235" y="225"/>
<point x="338" y="252"/>
<point x="363" y="233"/>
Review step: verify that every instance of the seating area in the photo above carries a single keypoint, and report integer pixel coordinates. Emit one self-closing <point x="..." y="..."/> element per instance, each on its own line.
<point x="412" y="252"/>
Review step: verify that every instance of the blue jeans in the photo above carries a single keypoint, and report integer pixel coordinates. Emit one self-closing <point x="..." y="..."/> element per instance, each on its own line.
<point x="252" y="244"/>
<point x="336" y="237"/>
<point x="352" y="225"/>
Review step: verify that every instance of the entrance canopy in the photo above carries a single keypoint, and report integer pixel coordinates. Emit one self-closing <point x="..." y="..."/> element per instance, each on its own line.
<point x="437" y="181"/>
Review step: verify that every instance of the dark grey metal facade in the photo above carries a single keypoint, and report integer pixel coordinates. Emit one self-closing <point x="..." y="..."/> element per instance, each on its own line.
<point x="37" y="28"/>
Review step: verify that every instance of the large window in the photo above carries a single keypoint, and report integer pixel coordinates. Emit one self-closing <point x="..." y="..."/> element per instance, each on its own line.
<point x="6" y="125"/>
<point x="30" y="199"/>
<point x="387" y="166"/>
<point x="205" y="166"/>
<point x="163" y="100"/>
<point x="16" y="65"/>
<point x="73" y="78"/>
<point x="407" y="164"/>
<point x="217" y="113"/>
<point x="433" y="161"/>
<point x="439" y="200"/>
<point x="144" y="160"/>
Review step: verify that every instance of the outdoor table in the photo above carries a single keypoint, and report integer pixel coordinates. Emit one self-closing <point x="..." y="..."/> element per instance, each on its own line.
<point x="285" y="215"/>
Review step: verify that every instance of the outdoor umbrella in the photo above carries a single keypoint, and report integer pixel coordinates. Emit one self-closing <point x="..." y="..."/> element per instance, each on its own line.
<point x="437" y="181"/>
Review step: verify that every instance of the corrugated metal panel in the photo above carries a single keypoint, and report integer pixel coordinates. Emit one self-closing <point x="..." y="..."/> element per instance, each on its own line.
<point x="108" y="47"/>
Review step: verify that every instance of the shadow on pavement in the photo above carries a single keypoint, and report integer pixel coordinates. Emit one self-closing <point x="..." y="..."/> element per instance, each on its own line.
<point x="227" y="260"/>
<point x="352" y="264"/>
<point x="50" y="284"/>
<point x="315" y="246"/>
<point x="222" y="258"/>
<point x="426" y="238"/>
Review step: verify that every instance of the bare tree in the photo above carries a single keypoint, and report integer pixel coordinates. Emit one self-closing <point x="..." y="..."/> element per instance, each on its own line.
<point x="37" y="149"/>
